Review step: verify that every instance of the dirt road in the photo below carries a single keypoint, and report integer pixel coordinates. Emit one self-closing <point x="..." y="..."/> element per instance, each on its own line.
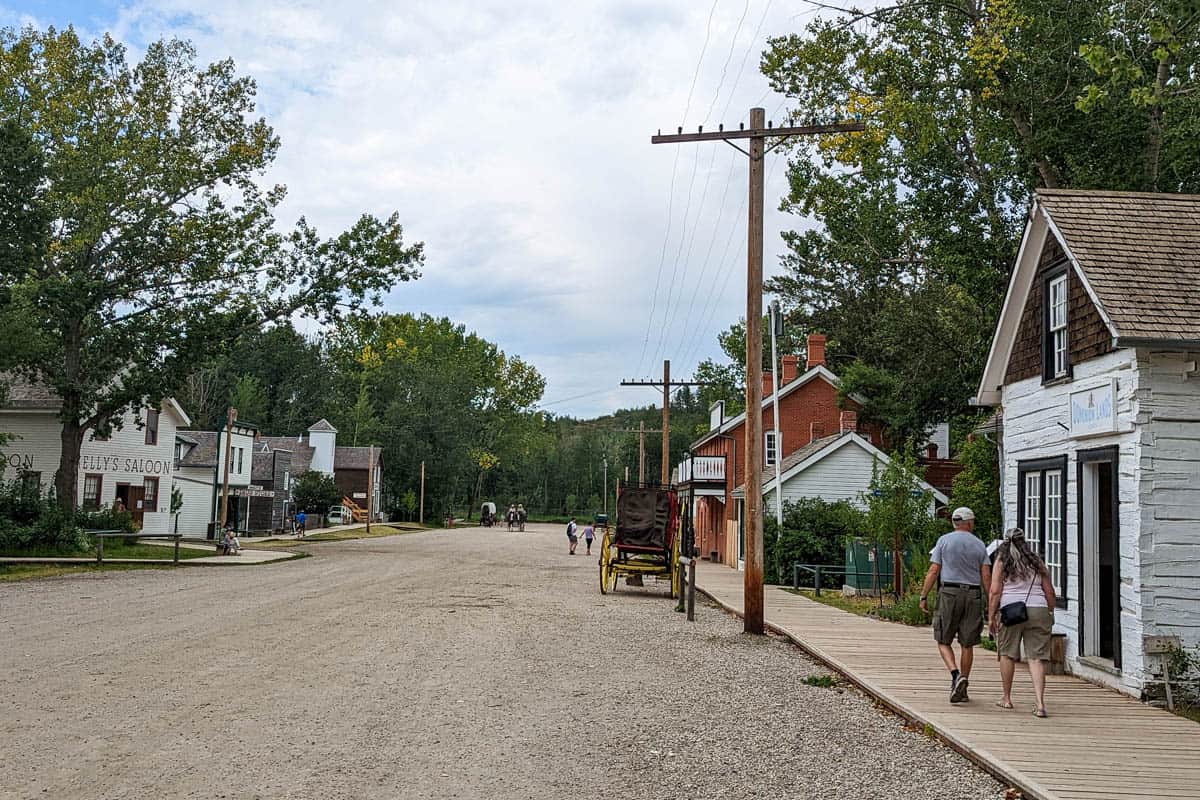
<point x="459" y="664"/>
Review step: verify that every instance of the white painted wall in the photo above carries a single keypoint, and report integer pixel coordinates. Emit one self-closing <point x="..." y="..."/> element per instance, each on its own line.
<point x="196" y="486"/>
<point x="239" y="474"/>
<point x="841" y="475"/>
<point x="1034" y="420"/>
<point x="323" y="444"/>
<point x="124" y="458"/>
<point x="1169" y="487"/>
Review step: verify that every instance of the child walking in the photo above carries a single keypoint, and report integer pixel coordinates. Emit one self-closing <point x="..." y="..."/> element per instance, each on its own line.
<point x="588" y="535"/>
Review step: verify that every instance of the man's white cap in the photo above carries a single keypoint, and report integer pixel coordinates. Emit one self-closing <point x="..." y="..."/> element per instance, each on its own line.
<point x="962" y="514"/>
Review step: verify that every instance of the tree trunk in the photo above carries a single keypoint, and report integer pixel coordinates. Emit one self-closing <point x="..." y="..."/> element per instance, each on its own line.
<point x="66" y="480"/>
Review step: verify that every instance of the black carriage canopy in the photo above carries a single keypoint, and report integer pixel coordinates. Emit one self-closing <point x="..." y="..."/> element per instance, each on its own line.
<point x="644" y="518"/>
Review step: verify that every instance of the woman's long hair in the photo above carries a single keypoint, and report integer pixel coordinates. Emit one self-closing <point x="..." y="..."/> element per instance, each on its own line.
<point x="1018" y="561"/>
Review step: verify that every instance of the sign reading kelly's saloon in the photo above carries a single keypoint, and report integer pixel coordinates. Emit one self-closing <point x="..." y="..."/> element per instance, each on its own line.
<point x="139" y="466"/>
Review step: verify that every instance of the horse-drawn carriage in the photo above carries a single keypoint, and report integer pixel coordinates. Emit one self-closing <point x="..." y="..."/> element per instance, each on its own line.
<point x="645" y="541"/>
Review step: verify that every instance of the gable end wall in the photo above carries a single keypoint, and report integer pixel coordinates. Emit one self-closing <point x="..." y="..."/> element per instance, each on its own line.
<point x="1088" y="335"/>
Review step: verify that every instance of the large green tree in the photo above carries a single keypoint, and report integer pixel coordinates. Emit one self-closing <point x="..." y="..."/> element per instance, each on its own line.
<point x="431" y="391"/>
<point x="162" y="246"/>
<point x="970" y="106"/>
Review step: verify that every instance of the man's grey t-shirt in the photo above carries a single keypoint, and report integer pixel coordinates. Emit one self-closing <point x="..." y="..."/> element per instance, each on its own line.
<point x="960" y="555"/>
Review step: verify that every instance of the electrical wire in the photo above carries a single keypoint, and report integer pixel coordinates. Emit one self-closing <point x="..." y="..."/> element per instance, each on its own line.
<point x="671" y="200"/>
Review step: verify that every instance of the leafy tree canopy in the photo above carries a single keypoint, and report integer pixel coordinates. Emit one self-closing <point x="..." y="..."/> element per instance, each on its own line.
<point x="158" y="246"/>
<point x="970" y="107"/>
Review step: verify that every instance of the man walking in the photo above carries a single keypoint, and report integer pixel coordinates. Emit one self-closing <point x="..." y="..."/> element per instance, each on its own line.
<point x="961" y="561"/>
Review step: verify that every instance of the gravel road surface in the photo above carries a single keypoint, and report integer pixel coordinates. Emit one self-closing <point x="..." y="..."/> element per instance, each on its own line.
<point x="459" y="664"/>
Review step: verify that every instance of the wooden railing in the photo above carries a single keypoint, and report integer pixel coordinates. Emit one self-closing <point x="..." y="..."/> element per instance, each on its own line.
<point x="357" y="512"/>
<point x="702" y="468"/>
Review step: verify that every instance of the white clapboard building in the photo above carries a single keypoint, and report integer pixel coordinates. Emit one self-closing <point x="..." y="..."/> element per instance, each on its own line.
<point x="200" y="476"/>
<point x="1094" y="371"/>
<point x="136" y="463"/>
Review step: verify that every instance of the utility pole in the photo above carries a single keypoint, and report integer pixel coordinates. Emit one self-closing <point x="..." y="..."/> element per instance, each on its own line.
<point x="667" y="384"/>
<point x="421" y="518"/>
<point x="230" y="418"/>
<point x="757" y="134"/>
<point x="776" y="326"/>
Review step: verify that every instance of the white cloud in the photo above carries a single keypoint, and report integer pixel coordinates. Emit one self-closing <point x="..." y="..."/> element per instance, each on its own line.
<point x="513" y="139"/>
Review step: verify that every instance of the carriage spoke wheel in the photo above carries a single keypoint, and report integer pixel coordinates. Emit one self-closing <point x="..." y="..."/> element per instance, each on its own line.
<point x="605" y="565"/>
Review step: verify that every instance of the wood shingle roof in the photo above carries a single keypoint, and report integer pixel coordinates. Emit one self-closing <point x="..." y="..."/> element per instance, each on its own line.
<point x="1140" y="255"/>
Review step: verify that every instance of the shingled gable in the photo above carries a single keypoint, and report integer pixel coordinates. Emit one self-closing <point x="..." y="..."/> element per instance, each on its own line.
<point x="1136" y="255"/>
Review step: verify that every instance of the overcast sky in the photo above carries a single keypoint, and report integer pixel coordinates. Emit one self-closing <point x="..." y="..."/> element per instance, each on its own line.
<point x="513" y="139"/>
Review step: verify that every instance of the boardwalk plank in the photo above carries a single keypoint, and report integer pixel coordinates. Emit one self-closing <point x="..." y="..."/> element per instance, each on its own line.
<point x="1096" y="744"/>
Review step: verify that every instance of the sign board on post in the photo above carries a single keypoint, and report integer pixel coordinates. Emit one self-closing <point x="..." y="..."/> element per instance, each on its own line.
<point x="1093" y="412"/>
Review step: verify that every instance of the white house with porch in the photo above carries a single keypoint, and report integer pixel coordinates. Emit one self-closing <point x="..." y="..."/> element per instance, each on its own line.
<point x="1094" y="371"/>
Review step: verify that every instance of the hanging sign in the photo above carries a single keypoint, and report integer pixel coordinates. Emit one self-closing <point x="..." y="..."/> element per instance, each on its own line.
<point x="1093" y="412"/>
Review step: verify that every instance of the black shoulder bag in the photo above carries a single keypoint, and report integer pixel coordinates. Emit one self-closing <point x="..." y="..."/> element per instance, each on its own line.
<point x="1018" y="612"/>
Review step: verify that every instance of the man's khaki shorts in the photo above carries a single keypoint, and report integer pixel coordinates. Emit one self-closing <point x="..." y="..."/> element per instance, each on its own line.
<point x="959" y="613"/>
<point x="1033" y="632"/>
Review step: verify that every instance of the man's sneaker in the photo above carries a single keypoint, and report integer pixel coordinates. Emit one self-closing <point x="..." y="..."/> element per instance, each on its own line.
<point x="959" y="693"/>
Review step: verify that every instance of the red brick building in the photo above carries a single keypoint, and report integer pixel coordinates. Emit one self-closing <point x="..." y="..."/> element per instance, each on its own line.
<point x="808" y="410"/>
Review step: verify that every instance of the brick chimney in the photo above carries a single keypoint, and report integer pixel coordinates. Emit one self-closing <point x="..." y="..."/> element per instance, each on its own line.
<point x="816" y="350"/>
<point x="849" y="421"/>
<point x="815" y="430"/>
<point x="768" y="383"/>
<point x="791" y="368"/>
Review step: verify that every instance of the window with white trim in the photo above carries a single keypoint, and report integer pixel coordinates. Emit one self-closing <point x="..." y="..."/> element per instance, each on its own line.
<point x="1033" y="507"/>
<point x="1058" y="325"/>
<point x="1053" y="526"/>
<point x="771" y="450"/>
<point x="1042" y="507"/>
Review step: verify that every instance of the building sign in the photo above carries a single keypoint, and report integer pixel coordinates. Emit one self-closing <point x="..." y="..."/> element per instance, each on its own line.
<point x="1094" y="411"/>
<point x="251" y="492"/>
<point x="22" y="461"/>
<point x="359" y="496"/>
<point x="140" y="466"/>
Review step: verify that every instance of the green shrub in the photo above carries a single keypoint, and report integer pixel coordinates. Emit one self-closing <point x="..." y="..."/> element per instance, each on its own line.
<point x="907" y="611"/>
<point x="31" y="521"/>
<point x="814" y="532"/>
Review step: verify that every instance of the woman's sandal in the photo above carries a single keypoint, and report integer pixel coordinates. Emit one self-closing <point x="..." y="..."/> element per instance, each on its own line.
<point x="1002" y="704"/>
<point x="1040" y="713"/>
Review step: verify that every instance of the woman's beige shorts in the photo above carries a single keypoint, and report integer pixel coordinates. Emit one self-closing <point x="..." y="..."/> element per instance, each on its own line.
<point x="1034" y="633"/>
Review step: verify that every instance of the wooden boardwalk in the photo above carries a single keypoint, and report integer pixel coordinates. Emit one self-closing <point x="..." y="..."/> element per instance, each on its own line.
<point x="1096" y="744"/>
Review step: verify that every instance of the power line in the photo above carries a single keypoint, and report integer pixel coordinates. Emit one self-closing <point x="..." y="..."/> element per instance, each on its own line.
<point x="671" y="198"/>
<point x="672" y="309"/>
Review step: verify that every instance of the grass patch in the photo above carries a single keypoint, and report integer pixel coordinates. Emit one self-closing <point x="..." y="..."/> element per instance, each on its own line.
<point x="113" y="548"/>
<point x="1188" y="712"/>
<point x="820" y="681"/>
<point x="24" y="572"/>
<point x="906" y="612"/>
<point x="855" y="604"/>
<point x="988" y="643"/>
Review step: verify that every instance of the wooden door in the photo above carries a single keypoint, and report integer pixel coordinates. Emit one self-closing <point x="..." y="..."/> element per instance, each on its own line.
<point x="136" y="505"/>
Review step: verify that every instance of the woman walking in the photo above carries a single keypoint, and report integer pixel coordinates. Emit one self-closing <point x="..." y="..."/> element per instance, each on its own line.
<point x="1021" y="607"/>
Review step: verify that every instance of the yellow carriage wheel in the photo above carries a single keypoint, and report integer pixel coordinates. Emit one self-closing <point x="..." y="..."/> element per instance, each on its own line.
<point x="605" y="564"/>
